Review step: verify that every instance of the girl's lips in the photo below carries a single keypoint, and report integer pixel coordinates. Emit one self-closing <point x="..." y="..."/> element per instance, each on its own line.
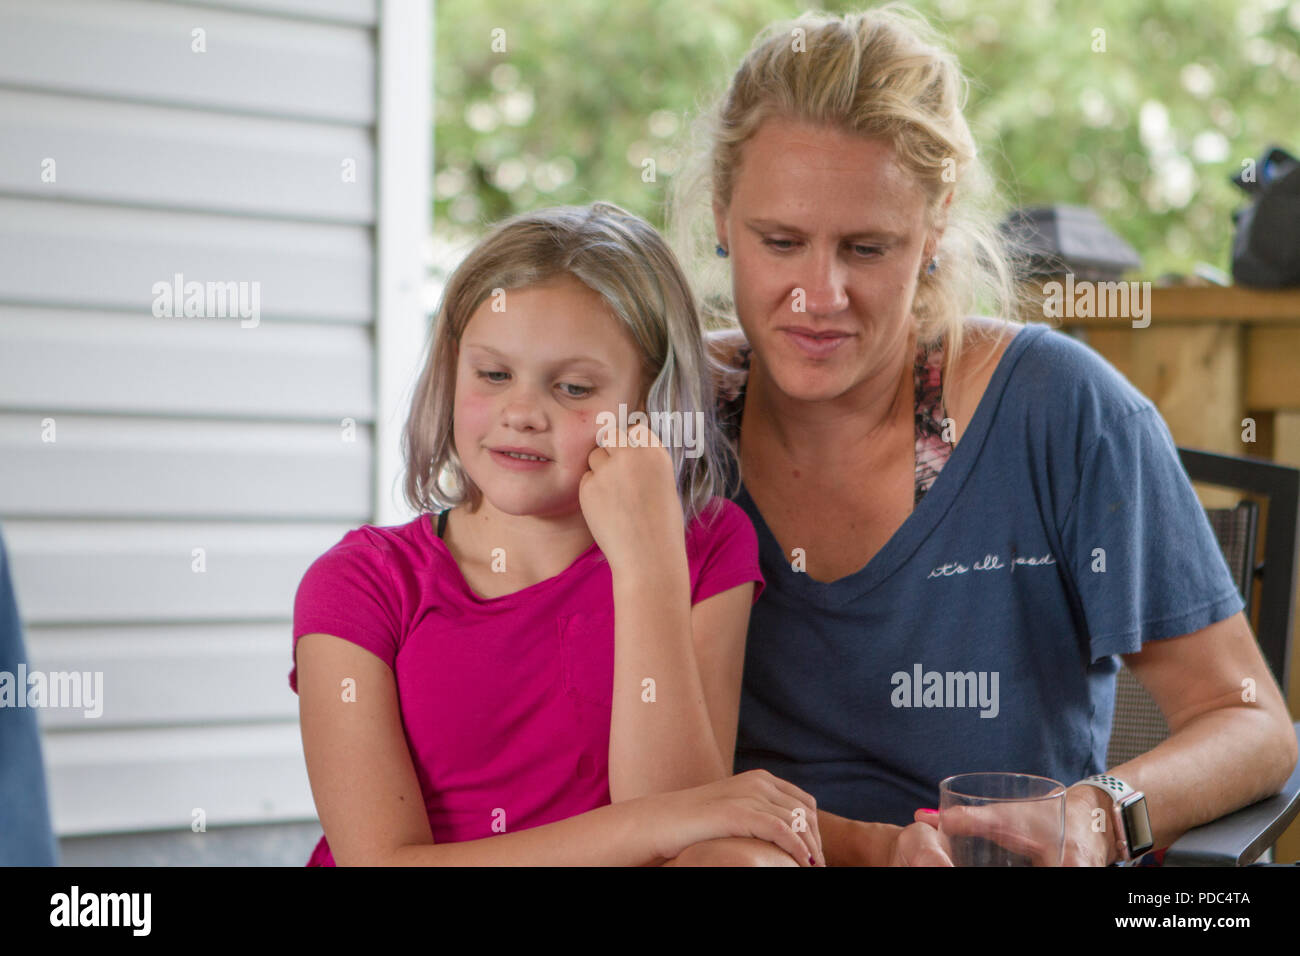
<point x="516" y="464"/>
<point x="815" y="346"/>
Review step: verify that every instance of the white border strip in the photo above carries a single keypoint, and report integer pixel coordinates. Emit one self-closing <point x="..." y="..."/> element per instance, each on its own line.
<point x="403" y="225"/>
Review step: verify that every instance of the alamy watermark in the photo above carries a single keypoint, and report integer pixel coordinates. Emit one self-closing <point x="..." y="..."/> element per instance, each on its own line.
<point x="922" y="688"/>
<point x="84" y="689"/>
<point x="671" y="429"/>
<point x="1099" y="300"/>
<point x="208" y="300"/>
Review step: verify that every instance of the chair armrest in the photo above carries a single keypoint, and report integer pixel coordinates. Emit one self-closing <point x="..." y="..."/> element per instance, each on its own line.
<point x="1240" y="837"/>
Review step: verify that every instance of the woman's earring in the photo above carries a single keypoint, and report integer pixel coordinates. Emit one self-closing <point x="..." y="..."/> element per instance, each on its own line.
<point x="933" y="267"/>
<point x="722" y="253"/>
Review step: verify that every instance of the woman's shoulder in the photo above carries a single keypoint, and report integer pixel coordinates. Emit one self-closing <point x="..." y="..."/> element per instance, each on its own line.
<point x="1056" y="371"/>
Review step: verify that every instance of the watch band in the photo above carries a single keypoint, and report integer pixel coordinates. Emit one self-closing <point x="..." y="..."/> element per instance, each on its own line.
<point x="1128" y="814"/>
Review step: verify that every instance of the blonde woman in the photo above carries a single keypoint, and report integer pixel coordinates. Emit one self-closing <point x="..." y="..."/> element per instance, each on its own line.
<point x="544" y="666"/>
<point x="963" y="522"/>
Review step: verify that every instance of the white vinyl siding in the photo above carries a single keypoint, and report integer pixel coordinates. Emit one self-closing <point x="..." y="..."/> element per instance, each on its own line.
<point x="180" y="441"/>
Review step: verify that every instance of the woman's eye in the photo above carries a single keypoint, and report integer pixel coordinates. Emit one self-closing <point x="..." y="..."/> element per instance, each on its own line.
<point x="781" y="245"/>
<point x="487" y="376"/>
<point x="582" y="391"/>
<point x="865" y="251"/>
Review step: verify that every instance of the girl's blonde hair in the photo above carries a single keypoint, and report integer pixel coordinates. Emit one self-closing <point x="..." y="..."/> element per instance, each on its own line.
<point x="622" y="258"/>
<point x="882" y="74"/>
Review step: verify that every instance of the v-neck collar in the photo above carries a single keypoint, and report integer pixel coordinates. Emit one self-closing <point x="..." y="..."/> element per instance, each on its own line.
<point x="925" y="517"/>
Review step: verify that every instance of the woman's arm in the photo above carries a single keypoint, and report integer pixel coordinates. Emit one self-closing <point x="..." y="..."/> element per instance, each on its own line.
<point x="373" y="813"/>
<point x="1224" y="751"/>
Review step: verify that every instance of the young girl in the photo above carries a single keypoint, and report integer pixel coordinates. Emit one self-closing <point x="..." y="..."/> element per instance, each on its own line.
<point x="548" y="670"/>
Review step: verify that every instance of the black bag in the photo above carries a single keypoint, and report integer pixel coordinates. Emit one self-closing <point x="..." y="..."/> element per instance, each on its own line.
<point x="1266" y="248"/>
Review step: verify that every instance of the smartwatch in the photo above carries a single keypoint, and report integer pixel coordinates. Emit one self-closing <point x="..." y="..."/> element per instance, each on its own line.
<point x="1129" y="816"/>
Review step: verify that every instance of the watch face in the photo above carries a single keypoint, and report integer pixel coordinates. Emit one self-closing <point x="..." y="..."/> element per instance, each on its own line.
<point x="1137" y="825"/>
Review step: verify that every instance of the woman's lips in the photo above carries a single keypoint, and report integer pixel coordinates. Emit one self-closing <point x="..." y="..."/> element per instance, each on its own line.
<point x="816" y="344"/>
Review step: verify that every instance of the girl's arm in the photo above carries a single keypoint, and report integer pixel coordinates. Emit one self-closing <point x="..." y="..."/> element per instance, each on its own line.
<point x="686" y="736"/>
<point x="680" y="730"/>
<point x="373" y="813"/>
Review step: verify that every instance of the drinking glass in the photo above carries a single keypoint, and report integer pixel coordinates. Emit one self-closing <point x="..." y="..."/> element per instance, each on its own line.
<point x="1003" y="819"/>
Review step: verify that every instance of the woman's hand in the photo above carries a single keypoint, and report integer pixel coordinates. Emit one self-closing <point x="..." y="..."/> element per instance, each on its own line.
<point x="752" y="804"/>
<point x="920" y="844"/>
<point x="629" y="499"/>
<point x="1086" y="844"/>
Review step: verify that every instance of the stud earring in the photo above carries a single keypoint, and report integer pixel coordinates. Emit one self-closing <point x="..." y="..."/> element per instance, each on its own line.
<point x="933" y="267"/>
<point x="722" y="253"/>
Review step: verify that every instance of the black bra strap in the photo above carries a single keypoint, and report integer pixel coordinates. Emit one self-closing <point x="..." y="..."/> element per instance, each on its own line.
<point x="442" y="522"/>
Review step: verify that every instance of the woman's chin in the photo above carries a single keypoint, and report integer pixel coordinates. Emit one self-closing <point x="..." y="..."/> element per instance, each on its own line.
<point x="819" y="384"/>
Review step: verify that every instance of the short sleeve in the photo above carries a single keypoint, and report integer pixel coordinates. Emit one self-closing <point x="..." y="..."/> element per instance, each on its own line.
<point x="349" y="593"/>
<point x="1143" y="557"/>
<point x="722" y="549"/>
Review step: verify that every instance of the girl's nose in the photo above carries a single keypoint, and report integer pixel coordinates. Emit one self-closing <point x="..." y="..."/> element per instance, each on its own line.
<point x="523" y="414"/>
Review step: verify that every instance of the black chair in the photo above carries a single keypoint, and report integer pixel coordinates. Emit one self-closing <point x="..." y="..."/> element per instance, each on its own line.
<point x="1240" y="837"/>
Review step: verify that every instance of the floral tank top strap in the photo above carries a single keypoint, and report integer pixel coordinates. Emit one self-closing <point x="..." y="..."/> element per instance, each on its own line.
<point x="932" y="449"/>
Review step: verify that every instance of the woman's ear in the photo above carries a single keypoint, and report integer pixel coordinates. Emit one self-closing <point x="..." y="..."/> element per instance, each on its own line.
<point x="720" y="224"/>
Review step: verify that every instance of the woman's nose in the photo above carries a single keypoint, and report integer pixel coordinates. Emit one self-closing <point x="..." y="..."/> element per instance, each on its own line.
<point x="825" y="291"/>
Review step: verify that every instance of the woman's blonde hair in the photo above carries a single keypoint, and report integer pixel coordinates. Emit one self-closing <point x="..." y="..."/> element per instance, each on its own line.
<point x="882" y="74"/>
<point x="622" y="258"/>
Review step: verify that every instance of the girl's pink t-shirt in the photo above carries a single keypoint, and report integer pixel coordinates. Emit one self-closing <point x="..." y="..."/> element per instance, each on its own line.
<point x="505" y="701"/>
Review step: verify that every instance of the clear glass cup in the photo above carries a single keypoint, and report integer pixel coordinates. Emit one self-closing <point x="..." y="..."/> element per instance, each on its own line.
<point x="1002" y="819"/>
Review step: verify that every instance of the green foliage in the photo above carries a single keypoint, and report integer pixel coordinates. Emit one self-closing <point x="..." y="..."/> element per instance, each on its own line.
<point x="1148" y="132"/>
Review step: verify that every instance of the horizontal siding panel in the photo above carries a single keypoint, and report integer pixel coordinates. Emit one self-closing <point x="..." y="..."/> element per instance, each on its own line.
<point x="360" y="12"/>
<point x="184" y="159"/>
<point x="109" y="572"/>
<point x="73" y="255"/>
<point x="65" y="361"/>
<point x="121" y="467"/>
<point x="120" y="780"/>
<point x="138" y="50"/>
<point x="167" y="674"/>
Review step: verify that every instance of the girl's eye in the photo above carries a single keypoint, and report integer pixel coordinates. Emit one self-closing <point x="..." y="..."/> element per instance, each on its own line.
<point x="487" y="376"/>
<point x="582" y="390"/>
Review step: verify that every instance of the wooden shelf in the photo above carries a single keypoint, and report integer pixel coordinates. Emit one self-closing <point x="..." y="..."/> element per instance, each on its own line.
<point x="1201" y="304"/>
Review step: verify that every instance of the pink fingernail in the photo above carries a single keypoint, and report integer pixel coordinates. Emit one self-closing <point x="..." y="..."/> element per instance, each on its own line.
<point x="928" y="810"/>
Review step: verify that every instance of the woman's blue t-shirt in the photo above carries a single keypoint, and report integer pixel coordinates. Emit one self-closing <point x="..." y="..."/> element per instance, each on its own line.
<point x="1062" y="531"/>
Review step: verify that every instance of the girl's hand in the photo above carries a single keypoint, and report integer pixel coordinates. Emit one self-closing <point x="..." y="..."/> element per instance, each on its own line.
<point x="752" y="804"/>
<point x="629" y="499"/>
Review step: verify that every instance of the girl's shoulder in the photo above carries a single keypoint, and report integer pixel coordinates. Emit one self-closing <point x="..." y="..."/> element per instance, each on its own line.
<point x="397" y="552"/>
<point x="721" y="523"/>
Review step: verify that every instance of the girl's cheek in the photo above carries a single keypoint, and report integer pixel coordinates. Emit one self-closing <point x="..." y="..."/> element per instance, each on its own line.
<point x="473" y="411"/>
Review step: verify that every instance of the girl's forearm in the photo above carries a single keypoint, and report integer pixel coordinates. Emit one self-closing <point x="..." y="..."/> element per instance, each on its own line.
<point x="665" y="743"/>
<point x="612" y="835"/>
<point x="856" y="842"/>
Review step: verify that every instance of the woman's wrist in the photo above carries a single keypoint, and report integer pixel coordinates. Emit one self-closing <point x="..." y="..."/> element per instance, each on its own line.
<point x="1089" y="822"/>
